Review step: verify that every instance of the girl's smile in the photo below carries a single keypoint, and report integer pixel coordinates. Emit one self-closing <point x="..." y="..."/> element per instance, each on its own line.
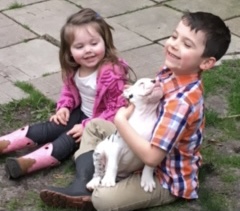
<point x="87" y="48"/>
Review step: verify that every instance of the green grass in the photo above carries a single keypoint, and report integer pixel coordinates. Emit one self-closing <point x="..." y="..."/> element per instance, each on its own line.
<point x="212" y="201"/>
<point x="212" y="118"/>
<point x="42" y="107"/>
<point x="35" y="108"/>
<point x="26" y="26"/>
<point x="220" y="165"/>
<point x="223" y="80"/>
<point x="15" y="5"/>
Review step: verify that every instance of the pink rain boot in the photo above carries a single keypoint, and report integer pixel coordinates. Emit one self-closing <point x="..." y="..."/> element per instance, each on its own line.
<point x="15" y="141"/>
<point x="36" y="160"/>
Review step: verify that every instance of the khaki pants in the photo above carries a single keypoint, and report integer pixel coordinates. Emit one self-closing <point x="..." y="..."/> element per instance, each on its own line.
<point x="95" y="131"/>
<point x="127" y="195"/>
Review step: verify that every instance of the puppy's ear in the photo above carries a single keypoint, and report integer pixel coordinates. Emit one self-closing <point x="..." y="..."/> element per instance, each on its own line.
<point x="141" y="89"/>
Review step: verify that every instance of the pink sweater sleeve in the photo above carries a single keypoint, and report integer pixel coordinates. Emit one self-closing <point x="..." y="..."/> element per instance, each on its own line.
<point x="69" y="96"/>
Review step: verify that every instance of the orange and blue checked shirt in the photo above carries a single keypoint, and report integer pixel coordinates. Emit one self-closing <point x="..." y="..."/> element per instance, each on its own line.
<point x="178" y="131"/>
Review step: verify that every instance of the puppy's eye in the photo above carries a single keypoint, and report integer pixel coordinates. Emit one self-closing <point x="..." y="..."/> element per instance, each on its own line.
<point x="153" y="81"/>
<point x="130" y="96"/>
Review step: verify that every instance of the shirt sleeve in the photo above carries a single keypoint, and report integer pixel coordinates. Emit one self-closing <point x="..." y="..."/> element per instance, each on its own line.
<point x="66" y="98"/>
<point x="171" y="124"/>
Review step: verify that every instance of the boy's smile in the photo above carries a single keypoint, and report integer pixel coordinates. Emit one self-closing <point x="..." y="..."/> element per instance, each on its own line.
<point x="184" y="49"/>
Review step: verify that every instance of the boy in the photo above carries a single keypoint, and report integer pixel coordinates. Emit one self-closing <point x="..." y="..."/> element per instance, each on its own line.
<point x="199" y="40"/>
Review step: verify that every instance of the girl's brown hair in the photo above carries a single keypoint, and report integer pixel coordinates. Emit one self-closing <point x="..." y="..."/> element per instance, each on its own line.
<point x="85" y="16"/>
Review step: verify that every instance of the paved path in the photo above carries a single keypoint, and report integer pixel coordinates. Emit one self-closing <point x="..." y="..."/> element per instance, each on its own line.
<point x="29" y="36"/>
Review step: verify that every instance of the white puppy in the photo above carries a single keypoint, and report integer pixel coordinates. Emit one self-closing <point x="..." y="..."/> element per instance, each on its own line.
<point x="112" y="157"/>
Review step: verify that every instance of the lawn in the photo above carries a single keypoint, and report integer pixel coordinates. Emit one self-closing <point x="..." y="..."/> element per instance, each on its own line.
<point x="219" y="175"/>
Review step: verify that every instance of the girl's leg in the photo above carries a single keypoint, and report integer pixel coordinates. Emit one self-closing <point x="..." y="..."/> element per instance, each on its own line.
<point x="46" y="132"/>
<point x="15" y="141"/>
<point x="37" y="134"/>
<point x="48" y="155"/>
<point x="128" y="195"/>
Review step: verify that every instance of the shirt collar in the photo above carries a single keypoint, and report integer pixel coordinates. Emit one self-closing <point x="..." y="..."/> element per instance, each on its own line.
<point x="177" y="81"/>
<point x="165" y="72"/>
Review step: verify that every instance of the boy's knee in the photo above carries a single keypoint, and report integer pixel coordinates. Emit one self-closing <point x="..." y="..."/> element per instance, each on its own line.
<point x="100" y="127"/>
<point x="103" y="200"/>
<point x="97" y="201"/>
<point x="95" y="121"/>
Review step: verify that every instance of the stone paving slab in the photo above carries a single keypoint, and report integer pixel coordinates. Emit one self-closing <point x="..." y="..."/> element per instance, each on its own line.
<point x="137" y="26"/>
<point x="9" y="92"/>
<point x="5" y="4"/>
<point x="32" y="59"/>
<point x="12" y="73"/>
<point x="222" y="8"/>
<point x="153" y="23"/>
<point x="160" y="1"/>
<point x="234" y="25"/>
<point x="227" y="57"/>
<point x="50" y="86"/>
<point x="2" y="78"/>
<point x="125" y="39"/>
<point x="18" y="33"/>
<point x="109" y="8"/>
<point x="234" y="45"/>
<point x="146" y="60"/>
<point x="44" y="18"/>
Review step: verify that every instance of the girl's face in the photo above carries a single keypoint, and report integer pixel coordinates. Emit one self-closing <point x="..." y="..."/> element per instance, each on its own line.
<point x="87" y="48"/>
<point x="184" y="49"/>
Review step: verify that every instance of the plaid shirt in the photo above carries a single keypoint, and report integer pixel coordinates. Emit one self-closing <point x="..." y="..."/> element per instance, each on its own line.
<point x="178" y="131"/>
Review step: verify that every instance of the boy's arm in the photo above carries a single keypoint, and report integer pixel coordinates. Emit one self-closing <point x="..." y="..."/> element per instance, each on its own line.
<point x="168" y="132"/>
<point x="149" y="154"/>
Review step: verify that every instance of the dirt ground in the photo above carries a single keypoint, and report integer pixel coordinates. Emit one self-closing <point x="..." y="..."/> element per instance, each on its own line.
<point x="23" y="194"/>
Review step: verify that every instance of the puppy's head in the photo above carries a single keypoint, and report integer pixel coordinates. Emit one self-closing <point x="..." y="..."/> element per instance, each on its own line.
<point x="145" y="90"/>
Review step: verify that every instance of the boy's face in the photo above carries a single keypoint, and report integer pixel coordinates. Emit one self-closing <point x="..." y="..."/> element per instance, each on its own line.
<point x="184" y="49"/>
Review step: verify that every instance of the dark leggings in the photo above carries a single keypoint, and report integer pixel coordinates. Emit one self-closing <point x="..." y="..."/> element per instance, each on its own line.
<point x="63" y="144"/>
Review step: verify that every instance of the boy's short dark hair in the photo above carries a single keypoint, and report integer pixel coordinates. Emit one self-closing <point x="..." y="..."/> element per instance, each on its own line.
<point x="218" y="36"/>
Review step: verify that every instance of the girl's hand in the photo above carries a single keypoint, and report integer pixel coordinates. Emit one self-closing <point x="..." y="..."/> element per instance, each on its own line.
<point x="124" y="113"/>
<point x="61" y="116"/>
<point x="76" y="132"/>
<point x="126" y="86"/>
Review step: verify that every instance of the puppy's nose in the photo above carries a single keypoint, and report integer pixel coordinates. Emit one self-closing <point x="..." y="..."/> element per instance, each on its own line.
<point x="153" y="81"/>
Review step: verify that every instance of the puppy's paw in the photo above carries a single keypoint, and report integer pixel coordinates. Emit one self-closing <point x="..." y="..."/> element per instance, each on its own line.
<point x="147" y="181"/>
<point x="94" y="183"/>
<point x="148" y="185"/>
<point x="108" y="181"/>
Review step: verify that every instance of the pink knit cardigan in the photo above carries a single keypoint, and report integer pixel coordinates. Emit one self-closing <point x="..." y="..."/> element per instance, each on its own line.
<point x="110" y="83"/>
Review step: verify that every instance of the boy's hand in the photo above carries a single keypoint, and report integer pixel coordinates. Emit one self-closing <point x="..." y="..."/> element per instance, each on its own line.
<point x="124" y="112"/>
<point x="76" y="132"/>
<point x="61" y="116"/>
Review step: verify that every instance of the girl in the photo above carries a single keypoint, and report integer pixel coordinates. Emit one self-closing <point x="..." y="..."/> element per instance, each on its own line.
<point x="93" y="79"/>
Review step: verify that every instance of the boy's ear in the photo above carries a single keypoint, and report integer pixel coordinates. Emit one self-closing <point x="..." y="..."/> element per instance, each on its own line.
<point x="207" y="63"/>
